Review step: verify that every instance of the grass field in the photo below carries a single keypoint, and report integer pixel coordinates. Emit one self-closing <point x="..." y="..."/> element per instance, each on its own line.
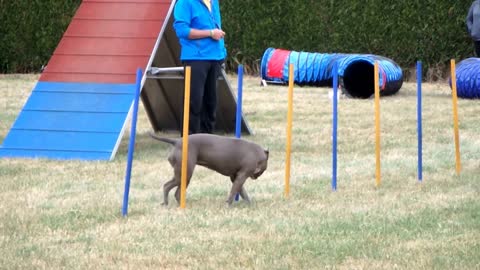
<point x="67" y="214"/>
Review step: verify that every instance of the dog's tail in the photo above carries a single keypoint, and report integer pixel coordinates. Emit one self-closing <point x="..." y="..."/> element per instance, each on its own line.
<point x="162" y="139"/>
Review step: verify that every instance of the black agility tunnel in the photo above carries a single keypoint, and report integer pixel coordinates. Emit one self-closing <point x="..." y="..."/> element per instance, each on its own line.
<point x="355" y="71"/>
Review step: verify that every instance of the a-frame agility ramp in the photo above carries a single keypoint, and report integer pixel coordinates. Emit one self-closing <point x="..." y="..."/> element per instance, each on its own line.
<point x="82" y="102"/>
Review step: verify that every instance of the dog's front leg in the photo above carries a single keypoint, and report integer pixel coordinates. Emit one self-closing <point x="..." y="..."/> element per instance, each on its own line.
<point x="237" y="187"/>
<point x="243" y="192"/>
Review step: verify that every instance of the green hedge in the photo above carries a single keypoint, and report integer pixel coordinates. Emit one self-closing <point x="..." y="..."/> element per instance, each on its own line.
<point x="429" y="30"/>
<point x="406" y="31"/>
<point x="30" y="32"/>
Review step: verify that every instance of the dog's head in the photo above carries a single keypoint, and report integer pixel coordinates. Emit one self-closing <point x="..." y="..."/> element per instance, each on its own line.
<point x="261" y="164"/>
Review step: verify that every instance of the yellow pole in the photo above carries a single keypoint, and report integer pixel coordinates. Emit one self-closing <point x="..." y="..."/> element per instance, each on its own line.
<point x="186" y="112"/>
<point x="458" y="166"/>
<point x="289" y="129"/>
<point x="377" y="125"/>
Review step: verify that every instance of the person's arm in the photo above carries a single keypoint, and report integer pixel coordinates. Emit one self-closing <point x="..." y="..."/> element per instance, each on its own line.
<point x="213" y="33"/>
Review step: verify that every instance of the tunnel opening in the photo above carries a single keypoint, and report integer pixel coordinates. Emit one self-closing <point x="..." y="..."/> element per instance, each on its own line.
<point x="358" y="80"/>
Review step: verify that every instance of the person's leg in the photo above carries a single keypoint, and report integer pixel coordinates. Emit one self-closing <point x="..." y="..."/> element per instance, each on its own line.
<point x="477" y="48"/>
<point x="199" y="71"/>
<point x="210" y="98"/>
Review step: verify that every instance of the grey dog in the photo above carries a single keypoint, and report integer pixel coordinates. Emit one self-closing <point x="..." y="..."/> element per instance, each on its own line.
<point x="237" y="158"/>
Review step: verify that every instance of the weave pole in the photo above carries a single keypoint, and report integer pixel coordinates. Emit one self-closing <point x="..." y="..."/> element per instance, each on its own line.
<point x="289" y="130"/>
<point x="238" y="118"/>
<point x="131" y="145"/>
<point x="419" y="120"/>
<point x="458" y="165"/>
<point x="334" y="127"/>
<point x="186" y="118"/>
<point x="377" y="126"/>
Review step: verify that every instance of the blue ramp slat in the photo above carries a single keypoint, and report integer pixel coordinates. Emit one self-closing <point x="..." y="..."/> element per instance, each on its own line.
<point x="68" y="141"/>
<point x="19" y="153"/>
<point x="98" y="88"/>
<point x="70" y="121"/>
<point x="78" y="102"/>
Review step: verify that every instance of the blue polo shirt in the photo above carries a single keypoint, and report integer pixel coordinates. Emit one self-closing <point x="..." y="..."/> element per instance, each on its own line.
<point x="195" y="14"/>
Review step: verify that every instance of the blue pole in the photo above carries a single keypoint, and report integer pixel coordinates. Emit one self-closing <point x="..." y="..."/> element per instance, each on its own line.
<point x="335" y="126"/>
<point x="131" y="146"/>
<point x="238" y="122"/>
<point x="419" y="118"/>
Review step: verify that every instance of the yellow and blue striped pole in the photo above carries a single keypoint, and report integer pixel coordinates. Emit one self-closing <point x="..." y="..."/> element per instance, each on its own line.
<point x="131" y="145"/>
<point x="334" y="126"/>
<point x="289" y="130"/>
<point x="377" y="126"/>
<point x="186" y="112"/>
<point x="458" y="165"/>
<point x="419" y="121"/>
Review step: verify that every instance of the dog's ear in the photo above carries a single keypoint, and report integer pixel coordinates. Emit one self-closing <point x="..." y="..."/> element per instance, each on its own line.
<point x="266" y="151"/>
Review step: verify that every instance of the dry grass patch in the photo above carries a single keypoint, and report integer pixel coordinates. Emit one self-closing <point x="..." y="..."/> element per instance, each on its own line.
<point x="66" y="214"/>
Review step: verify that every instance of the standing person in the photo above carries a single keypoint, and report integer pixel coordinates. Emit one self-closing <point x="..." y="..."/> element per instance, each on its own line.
<point x="198" y="26"/>
<point x="473" y="25"/>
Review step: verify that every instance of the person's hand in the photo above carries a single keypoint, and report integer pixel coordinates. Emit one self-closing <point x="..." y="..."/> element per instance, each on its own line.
<point x="217" y="34"/>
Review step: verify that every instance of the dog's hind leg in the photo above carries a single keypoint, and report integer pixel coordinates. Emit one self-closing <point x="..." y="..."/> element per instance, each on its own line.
<point x="166" y="189"/>
<point x="243" y="192"/>
<point x="189" y="177"/>
<point x="178" y="179"/>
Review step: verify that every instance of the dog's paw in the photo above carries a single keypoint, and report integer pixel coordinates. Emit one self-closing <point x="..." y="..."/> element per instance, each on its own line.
<point x="252" y="202"/>
<point x="228" y="204"/>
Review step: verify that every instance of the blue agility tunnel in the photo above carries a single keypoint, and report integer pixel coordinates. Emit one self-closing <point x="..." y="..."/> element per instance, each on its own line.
<point x="357" y="78"/>
<point x="355" y="71"/>
<point x="468" y="78"/>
